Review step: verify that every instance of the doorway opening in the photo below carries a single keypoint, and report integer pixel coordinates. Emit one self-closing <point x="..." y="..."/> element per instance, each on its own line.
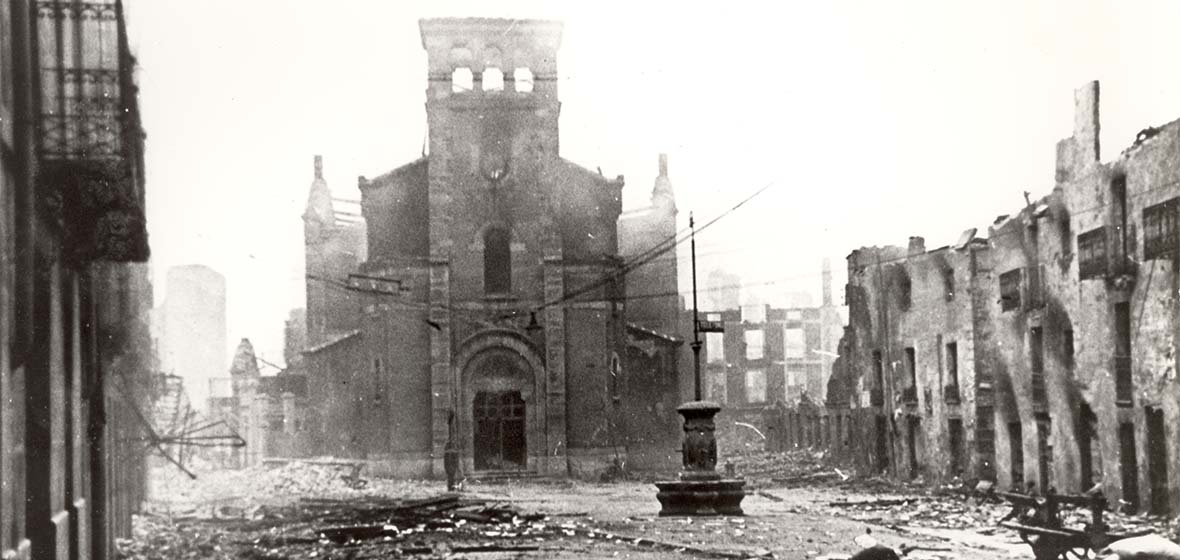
<point x="499" y="425"/>
<point x="1157" y="460"/>
<point x="1016" y="456"/>
<point x="1129" y="465"/>
<point x="882" y="443"/>
<point x="915" y="425"/>
<point x="1089" y="450"/>
<point x="955" y="429"/>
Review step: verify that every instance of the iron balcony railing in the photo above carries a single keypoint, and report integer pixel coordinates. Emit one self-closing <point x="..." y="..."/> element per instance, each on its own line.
<point x="81" y="62"/>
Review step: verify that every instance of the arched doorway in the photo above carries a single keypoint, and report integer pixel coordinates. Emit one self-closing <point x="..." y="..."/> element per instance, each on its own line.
<point x="500" y="400"/>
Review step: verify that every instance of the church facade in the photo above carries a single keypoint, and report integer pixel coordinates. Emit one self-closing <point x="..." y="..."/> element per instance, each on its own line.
<point x="483" y="298"/>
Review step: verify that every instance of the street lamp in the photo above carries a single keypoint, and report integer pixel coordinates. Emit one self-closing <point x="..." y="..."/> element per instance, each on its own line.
<point x="700" y="490"/>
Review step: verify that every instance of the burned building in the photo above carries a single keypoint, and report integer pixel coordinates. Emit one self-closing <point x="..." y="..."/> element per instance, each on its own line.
<point x="1102" y="252"/>
<point x="1063" y="324"/>
<point x="491" y="307"/>
<point x="771" y="357"/>
<point x="909" y="378"/>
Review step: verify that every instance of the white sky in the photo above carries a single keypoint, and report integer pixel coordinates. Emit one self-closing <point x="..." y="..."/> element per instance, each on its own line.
<point x="875" y="120"/>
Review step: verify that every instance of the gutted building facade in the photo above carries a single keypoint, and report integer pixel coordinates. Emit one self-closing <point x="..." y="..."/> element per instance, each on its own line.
<point x="908" y="379"/>
<point x="488" y="308"/>
<point x="1064" y="326"/>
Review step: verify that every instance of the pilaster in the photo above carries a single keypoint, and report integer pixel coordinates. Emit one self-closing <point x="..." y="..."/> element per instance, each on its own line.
<point x="554" y="323"/>
<point x="442" y="378"/>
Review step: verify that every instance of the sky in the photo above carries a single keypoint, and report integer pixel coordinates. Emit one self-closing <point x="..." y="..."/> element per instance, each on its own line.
<point x="871" y="121"/>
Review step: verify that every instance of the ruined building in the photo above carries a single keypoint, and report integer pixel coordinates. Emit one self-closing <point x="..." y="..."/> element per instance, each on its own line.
<point x="484" y="301"/>
<point x="1042" y="356"/>
<point x="770" y="357"/>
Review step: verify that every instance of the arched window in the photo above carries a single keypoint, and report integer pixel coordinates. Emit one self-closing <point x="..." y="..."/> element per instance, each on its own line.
<point x="461" y="80"/>
<point x="497" y="261"/>
<point x="523" y="78"/>
<point x="493" y="79"/>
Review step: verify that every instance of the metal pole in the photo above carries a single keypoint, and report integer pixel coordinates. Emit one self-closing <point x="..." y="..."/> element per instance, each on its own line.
<point x="696" y="340"/>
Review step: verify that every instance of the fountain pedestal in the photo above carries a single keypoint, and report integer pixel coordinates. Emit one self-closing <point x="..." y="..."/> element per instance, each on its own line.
<point x="700" y="490"/>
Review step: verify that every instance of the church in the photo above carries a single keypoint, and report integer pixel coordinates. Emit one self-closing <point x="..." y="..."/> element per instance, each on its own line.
<point x="491" y="293"/>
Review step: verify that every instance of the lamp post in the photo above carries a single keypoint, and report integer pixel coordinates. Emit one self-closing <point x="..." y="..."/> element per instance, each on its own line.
<point x="700" y="490"/>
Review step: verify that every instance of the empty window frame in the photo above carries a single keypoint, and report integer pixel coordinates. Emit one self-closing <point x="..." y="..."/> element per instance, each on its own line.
<point x="794" y="343"/>
<point x="522" y="79"/>
<point x="952" y="364"/>
<point x="948" y="283"/>
<point x="1123" y="374"/>
<point x="755" y="344"/>
<point x="911" y="369"/>
<point x="493" y="79"/>
<point x="1010" y="289"/>
<point x="1118" y="195"/>
<point x="1160" y="230"/>
<point x="1092" y="254"/>
<point x="715" y="347"/>
<point x="755" y="386"/>
<point x="462" y="80"/>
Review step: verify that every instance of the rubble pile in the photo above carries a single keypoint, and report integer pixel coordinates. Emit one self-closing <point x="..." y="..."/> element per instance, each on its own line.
<point x="795" y="466"/>
<point x="220" y="492"/>
<point x="939" y="512"/>
<point x="343" y="528"/>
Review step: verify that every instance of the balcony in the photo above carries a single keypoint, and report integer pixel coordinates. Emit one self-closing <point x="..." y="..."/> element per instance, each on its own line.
<point x="950" y="394"/>
<point x="1124" y="388"/>
<point x="90" y="148"/>
<point x="909" y="395"/>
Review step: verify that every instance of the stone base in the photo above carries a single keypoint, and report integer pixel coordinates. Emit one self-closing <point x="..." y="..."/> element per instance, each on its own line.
<point x="701" y="497"/>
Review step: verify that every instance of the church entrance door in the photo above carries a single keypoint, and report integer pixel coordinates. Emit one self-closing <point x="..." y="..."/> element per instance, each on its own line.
<point x="499" y="423"/>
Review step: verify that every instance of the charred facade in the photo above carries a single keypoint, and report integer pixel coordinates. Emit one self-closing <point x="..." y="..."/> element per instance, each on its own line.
<point x="1043" y="356"/>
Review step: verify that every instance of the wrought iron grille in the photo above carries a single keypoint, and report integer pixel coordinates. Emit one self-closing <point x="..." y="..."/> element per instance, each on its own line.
<point x="81" y="82"/>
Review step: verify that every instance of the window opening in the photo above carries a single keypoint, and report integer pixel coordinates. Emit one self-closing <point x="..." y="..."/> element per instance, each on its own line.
<point x="497" y="262"/>
<point x="462" y="81"/>
<point x="493" y="79"/>
<point x="523" y="80"/>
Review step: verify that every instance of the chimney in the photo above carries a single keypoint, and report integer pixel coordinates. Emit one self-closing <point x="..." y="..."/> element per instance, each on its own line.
<point x="1085" y="124"/>
<point x="319" y="167"/>
<point x="827" y="294"/>
<point x="917" y="245"/>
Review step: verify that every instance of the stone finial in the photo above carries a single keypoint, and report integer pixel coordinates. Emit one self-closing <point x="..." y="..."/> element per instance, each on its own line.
<point x="319" y="167"/>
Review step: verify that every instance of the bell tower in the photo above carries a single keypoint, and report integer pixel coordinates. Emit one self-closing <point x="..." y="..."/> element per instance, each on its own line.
<point x="492" y="115"/>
